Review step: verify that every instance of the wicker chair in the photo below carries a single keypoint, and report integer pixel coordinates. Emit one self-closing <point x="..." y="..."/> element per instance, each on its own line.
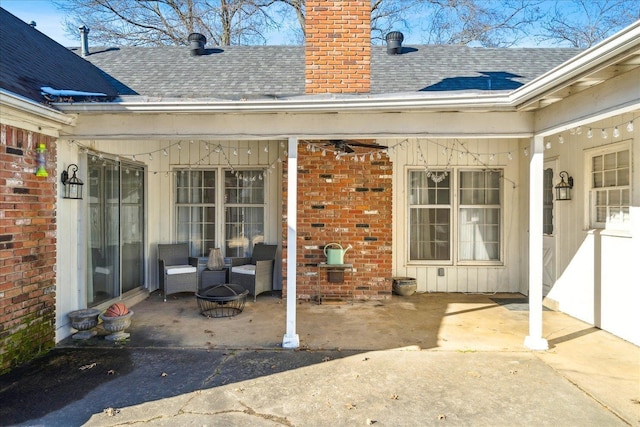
<point x="177" y="271"/>
<point x="255" y="274"/>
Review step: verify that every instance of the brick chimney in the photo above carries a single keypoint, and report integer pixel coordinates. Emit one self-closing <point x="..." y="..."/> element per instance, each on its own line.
<point x="338" y="46"/>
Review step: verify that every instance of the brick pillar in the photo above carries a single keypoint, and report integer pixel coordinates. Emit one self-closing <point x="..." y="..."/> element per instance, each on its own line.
<point x="349" y="203"/>
<point x="338" y="46"/>
<point x="27" y="247"/>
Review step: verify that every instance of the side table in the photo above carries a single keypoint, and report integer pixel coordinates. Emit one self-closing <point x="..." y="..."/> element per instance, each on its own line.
<point x="212" y="277"/>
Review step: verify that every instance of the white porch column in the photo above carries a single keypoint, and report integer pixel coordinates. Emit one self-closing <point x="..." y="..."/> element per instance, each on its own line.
<point x="534" y="340"/>
<point x="291" y="339"/>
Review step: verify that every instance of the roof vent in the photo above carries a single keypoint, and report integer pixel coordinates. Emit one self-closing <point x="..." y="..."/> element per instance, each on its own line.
<point x="394" y="42"/>
<point x="84" y="40"/>
<point x="32" y="24"/>
<point x="196" y="43"/>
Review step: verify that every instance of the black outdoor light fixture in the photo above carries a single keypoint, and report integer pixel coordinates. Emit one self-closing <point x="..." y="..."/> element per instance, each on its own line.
<point x="563" y="189"/>
<point x="73" y="185"/>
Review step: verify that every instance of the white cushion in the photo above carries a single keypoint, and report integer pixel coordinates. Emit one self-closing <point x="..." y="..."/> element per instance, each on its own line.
<point x="181" y="269"/>
<point x="244" y="269"/>
<point x="103" y="270"/>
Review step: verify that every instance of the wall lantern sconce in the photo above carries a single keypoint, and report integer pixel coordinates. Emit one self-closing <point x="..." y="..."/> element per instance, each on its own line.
<point x="563" y="189"/>
<point x="73" y="185"/>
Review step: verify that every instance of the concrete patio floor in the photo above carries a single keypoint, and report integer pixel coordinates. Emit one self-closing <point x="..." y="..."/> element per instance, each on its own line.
<point x="604" y="367"/>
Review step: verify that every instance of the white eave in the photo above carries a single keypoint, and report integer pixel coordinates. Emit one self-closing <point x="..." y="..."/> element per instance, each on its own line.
<point x="17" y="110"/>
<point x="26" y="105"/>
<point x="621" y="50"/>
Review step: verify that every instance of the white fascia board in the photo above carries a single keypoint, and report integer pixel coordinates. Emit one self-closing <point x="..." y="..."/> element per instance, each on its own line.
<point x="589" y="61"/>
<point x="19" y="111"/>
<point x="405" y="102"/>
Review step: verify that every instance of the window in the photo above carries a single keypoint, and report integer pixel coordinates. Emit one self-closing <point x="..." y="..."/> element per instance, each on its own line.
<point x="244" y="212"/>
<point x="430" y="217"/>
<point x="196" y="209"/>
<point x="610" y="188"/>
<point x="210" y="215"/>
<point x="477" y="214"/>
<point x="479" y="218"/>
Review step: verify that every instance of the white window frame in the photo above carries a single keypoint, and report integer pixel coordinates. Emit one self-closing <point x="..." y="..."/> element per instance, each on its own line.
<point x="590" y="214"/>
<point x="454" y="176"/>
<point x="220" y="205"/>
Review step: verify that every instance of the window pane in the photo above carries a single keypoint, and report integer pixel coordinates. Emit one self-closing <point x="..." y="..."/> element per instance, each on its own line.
<point x="597" y="163"/>
<point x="610" y="204"/>
<point x="597" y="180"/>
<point x="195" y="209"/>
<point x="624" y="200"/>
<point x="623" y="176"/>
<point x="429" y="236"/>
<point x="479" y="227"/>
<point x="614" y="198"/>
<point x="610" y="178"/>
<point x="623" y="159"/>
<point x="610" y="161"/>
<point x="466" y="197"/>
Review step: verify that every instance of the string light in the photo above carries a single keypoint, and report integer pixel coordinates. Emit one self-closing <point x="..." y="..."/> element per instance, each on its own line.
<point x="447" y="150"/>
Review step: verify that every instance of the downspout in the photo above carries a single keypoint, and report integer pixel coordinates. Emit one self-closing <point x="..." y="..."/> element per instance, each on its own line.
<point x="291" y="338"/>
<point x="534" y="340"/>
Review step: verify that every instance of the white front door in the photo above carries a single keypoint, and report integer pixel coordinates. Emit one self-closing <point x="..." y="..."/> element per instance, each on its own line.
<point x="548" y="229"/>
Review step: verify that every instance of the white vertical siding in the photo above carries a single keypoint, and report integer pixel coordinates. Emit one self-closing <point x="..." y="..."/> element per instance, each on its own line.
<point x="160" y="182"/>
<point x="459" y="278"/>
<point x="598" y="270"/>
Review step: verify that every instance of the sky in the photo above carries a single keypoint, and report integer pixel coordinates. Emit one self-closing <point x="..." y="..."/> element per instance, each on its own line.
<point x="48" y="20"/>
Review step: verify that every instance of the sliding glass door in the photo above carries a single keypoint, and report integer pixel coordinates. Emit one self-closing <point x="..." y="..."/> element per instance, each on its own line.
<point x="115" y="239"/>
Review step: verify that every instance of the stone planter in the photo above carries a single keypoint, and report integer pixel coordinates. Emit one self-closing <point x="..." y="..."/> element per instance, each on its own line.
<point x="404" y="286"/>
<point x="116" y="325"/>
<point x="84" y="320"/>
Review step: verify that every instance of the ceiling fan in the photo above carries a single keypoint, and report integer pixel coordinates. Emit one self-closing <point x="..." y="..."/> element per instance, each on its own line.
<point x="347" y="145"/>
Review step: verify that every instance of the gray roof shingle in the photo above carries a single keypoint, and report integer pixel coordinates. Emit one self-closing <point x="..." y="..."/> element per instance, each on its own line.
<point x="30" y="60"/>
<point x="246" y="72"/>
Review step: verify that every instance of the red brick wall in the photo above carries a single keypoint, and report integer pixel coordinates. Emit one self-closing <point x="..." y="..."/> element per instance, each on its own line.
<point x="338" y="46"/>
<point x="349" y="203"/>
<point x="27" y="247"/>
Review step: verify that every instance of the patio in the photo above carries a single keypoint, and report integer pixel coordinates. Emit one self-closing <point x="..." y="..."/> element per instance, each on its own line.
<point x="600" y="364"/>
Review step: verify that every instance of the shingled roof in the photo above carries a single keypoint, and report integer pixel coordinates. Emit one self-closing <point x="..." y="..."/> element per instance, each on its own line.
<point x="30" y="60"/>
<point x="250" y="72"/>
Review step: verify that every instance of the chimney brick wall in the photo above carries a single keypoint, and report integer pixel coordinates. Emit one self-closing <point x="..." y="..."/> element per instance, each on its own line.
<point x="27" y="247"/>
<point x="345" y="202"/>
<point x="338" y="46"/>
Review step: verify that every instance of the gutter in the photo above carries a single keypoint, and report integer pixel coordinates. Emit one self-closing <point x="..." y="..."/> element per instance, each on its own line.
<point x="311" y="103"/>
<point x="30" y="107"/>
